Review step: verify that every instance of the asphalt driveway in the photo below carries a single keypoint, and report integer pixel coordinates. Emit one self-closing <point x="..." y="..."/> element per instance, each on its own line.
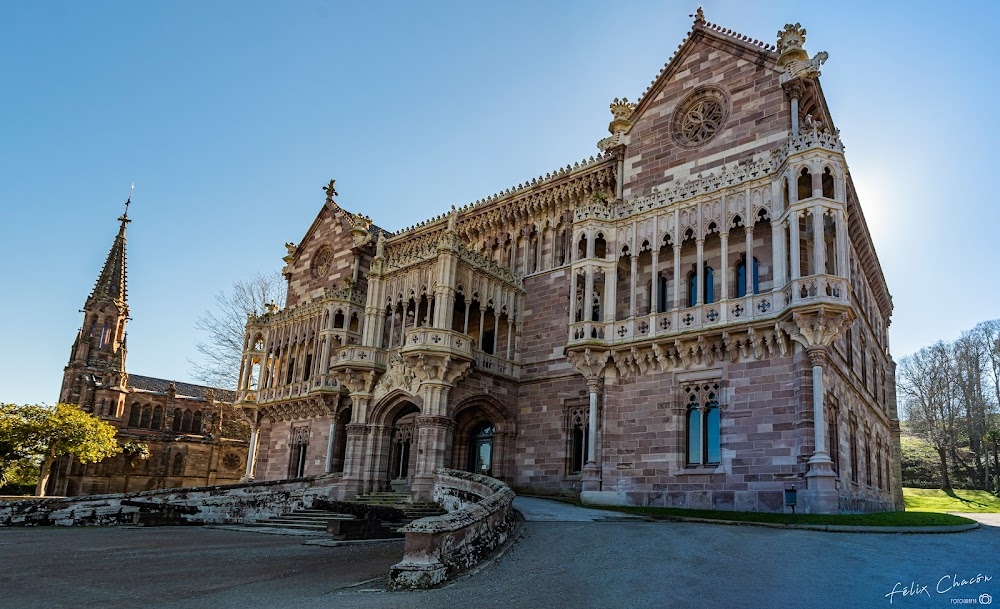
<point x="565" y="558"/>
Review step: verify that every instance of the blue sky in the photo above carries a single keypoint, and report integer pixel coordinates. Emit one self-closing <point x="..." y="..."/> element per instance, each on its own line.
<point x="231" y="116"/>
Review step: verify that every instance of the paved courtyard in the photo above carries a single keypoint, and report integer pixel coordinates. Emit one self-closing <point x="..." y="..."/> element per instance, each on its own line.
<point x="567" y="557"/>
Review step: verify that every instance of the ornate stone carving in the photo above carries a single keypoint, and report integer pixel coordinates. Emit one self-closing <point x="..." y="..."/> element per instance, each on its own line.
<point x="397" y="376"/>
<point x="700" y="117"/>
<point x="331" y="192"/>
<point x="321" y="262"/>
<point x="589" y="363"/>
<point x="793" y="59"/>
<point x="820" y="326"/>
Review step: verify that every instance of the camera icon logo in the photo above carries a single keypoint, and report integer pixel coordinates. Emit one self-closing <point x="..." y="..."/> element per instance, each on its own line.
<point x="985" y="599"/>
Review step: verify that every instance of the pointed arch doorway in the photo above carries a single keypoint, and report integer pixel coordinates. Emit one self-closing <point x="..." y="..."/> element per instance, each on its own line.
<point x="481" y="449"/>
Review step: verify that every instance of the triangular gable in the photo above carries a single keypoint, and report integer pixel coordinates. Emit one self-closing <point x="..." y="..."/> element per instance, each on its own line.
<point x="705" y="33"/>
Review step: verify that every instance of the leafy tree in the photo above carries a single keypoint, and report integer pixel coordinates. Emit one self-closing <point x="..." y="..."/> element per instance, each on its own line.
<point x="926" y="382"/>
<point x="225" y="326"/>
<point x="54" y="431"/>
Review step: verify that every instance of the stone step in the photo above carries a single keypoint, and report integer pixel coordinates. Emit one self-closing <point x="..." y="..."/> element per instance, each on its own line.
<point x="286" y="525"/>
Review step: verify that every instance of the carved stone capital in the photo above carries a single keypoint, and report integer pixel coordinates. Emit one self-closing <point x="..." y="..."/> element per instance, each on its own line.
<point x="793" y="89"/>
<point x="357" y="380"/>
<point x="819" y="326"/>
<point x="817" y="355"/>
<point x="436" y="421"/>
<point x="433" y="367"/>
<point x="589" y="363"/>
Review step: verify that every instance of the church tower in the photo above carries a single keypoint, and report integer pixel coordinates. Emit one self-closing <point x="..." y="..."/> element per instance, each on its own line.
<point x="95" y="377"/>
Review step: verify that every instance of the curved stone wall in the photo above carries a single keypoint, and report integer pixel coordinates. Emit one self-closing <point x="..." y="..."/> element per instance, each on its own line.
<point x="480" y="519"/>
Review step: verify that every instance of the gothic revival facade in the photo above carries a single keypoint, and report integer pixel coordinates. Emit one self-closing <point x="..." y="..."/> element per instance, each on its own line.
<point x="695" y="317"/>
<point x="182" y="424"/>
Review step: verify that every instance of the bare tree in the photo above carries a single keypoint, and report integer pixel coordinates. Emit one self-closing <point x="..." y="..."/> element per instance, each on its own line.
<point x="224" y="327"/>
<point x="926" y="382"/>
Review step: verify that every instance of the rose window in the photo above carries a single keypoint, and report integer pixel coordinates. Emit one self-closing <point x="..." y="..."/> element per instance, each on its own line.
<point x="700" y="117"/>
<point x="321" y="264"/>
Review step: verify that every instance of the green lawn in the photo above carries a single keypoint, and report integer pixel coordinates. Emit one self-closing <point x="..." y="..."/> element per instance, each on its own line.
<point x="884" y="519"/>
<point x="935" y="500"/>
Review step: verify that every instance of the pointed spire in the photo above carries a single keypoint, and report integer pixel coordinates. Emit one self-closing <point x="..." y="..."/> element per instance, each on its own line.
<point x="111" y="283"/>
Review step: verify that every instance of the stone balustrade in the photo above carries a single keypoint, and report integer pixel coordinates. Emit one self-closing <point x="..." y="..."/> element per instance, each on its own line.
<point x="497" y="365"/>
<point x="757" y="307"/>
<point x="480" y="519"/>
<point x="223" y="504"/>
<point x="434" y="339"/>
<point x="357" y="354"/>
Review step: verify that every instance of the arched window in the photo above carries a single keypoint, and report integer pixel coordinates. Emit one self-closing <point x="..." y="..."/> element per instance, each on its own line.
<point x="709" y="285"/>
<point x="186" y="422"/>
<point x="196" y="422"/>
<point x="828" y="190"/>
<point x="805" y="184"/>
<point x="157" y="421"/>
<point x="177" y="468"/>
<point x="578" y="443"/>
<point x="741" y="278"/>
<point x="133" y="415"/>
<point x="849" y="348"/>
<point x="177" y="419"/>
<point x="595" y="308"/>
<point x="661" y="294"/>
<point x="338" y="319"/>
<point x="600" y="246"/>
<point x="581" y="250"/>
<point x="703" y="427"/>
<point x="692" y="289"/>
<point x="144" y="419"/>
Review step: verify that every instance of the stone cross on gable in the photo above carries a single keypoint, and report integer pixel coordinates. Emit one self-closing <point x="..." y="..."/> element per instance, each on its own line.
<point x="331" y="192"/>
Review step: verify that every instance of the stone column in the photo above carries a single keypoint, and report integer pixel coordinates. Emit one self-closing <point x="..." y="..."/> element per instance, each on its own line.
<point x="677" y="276"/>
<point x="392" y="328"/>
<point x="700" y="287"/>
<point x="252" y="453"/>
<point x="634" y="261"/>
<point x="654" y="285"/>
<point x="724" y="267"/>
<point x="588" y="299"/>
<point x="352" y="482"/>
<point x="777" y="255"/>
<point x="794" y="245"/>
<point x="510" y="334"/>
<point x="592" y="470"/>
<point x="379" y="451"/>
<point x="331" y="444"/>
<point x="842" y="244"/>
<point x="572" y="296"/>
<point x="820" y="478"/>
<point x="496" y="332"/>
<point x="819" y="242"/>
<point x="465" y="322"/>
<point x="748" y="267"/>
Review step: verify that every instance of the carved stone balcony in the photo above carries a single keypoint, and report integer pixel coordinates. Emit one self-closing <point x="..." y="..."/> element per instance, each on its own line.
<point x="438" y="341"/>
<point x="811" y="290"/>
<point x="441" y="356"/>
<point x="499" y="366"/>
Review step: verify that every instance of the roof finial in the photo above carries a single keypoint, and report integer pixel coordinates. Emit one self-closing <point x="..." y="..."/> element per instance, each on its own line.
<point x="699" y="16"/>
<point x="124" y="217"/>
<point x="331" y="192"/>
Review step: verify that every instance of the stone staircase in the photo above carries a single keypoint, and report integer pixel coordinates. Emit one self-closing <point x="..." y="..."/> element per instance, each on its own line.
<point x="402" y="502"/>
<point x="302" y="521"/>
<point x="314" y="521"/>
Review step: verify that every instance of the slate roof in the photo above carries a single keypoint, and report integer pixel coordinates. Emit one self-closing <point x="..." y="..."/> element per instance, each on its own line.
<point x="149" y="383"/>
